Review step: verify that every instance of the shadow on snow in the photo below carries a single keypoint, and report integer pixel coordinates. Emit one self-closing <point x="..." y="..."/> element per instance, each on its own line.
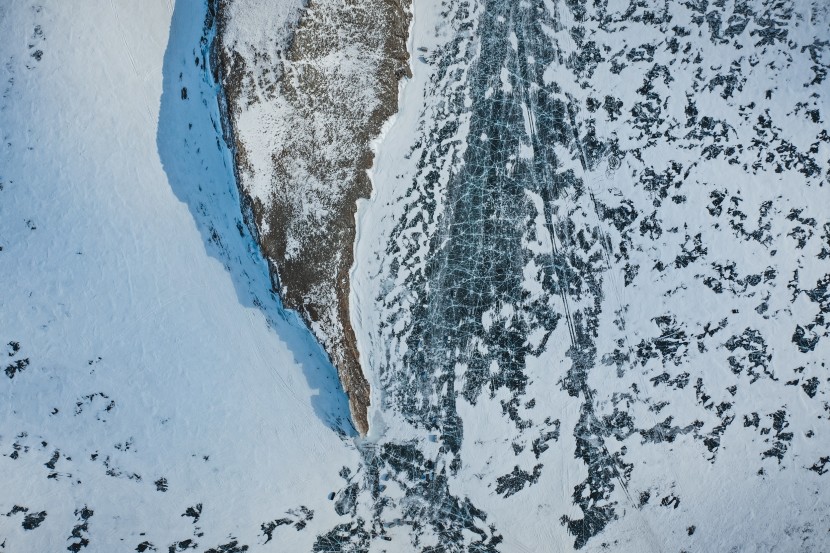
<point x="199" y="169"/>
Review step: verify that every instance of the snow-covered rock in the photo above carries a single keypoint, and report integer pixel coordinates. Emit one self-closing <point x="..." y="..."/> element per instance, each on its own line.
<point x="304" y="103"/>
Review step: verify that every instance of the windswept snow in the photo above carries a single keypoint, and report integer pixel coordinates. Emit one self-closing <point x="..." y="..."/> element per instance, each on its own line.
<point x="161" y="394"/>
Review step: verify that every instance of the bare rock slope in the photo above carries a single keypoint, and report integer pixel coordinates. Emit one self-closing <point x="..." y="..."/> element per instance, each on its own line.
<point x="302" y="108"/>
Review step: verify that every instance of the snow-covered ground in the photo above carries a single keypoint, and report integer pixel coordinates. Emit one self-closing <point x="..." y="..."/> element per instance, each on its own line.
<point x="158" y="394"/>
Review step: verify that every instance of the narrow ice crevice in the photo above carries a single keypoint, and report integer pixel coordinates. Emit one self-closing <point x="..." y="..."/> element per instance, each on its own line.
<point x="370" y="212"/>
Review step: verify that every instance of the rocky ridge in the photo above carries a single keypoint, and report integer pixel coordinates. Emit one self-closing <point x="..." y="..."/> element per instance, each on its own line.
<point x="301" y="115"/>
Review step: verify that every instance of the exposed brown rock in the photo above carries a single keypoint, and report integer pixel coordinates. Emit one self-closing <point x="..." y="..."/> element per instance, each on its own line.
<point x="332" y="90"/>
